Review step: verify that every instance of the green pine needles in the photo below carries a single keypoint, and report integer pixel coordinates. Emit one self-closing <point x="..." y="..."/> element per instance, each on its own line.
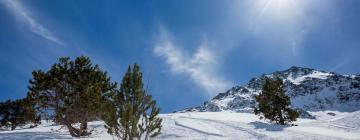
<point x="273" y="104"/>
<point x="77" y="91"/>
<point x="134" y="112"/>
<point x="73" y="90"/>
<point x="18" y="113"/>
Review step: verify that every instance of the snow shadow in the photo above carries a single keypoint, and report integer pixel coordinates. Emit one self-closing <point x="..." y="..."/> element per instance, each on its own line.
<point x="267" y="126"/>
<point x="197" y="130"/>
<point x="31" y="136"/>
<point x="169" y="136"/>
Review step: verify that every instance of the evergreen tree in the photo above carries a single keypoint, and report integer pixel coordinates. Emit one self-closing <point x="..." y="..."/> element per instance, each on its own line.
<point x="17" y="113"/>
<point x="73" y="90"/>
<point x="132" y="113"/>
<point x="273" y="104"/>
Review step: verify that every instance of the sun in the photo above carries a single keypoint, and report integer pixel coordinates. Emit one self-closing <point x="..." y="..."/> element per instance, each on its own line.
<point x="281" y="6"/>
<point x="278" y="9"/>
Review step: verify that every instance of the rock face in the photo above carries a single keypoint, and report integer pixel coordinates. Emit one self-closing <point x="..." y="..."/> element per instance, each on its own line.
<point x="309" y="89"/>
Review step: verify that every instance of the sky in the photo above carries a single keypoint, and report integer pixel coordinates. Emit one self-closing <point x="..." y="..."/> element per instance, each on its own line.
<point x="188" y="50"/>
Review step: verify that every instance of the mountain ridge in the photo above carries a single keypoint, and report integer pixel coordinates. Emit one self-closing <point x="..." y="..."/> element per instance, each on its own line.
<point x="309" y="89"/>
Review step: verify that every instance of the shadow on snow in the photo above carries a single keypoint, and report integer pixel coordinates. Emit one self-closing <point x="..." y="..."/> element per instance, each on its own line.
<point x="267" y="126"/>
<point x="31" y="136"/>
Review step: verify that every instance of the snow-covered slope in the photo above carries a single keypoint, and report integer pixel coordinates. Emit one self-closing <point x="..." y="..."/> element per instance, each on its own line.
<point x="309" y="89"/>
<point x="47" y="130"/>
<point x="233" y="126"/>
<point x="218" y="126"/>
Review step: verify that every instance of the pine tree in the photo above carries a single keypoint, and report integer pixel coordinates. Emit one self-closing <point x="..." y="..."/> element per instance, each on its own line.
<point x="273" y="104"/>
<point x="133" y="112"/>
<point x="17" y="113"/>
<point x="73" y="90"/>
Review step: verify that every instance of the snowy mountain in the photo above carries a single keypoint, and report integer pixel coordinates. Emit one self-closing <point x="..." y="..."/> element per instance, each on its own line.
<point x="309" y="89"/>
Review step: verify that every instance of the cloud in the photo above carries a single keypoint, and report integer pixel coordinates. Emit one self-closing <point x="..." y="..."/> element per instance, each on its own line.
<point x="296" y="41"/>
<point x="21" y="13"/>
<point x="200" y="66"/>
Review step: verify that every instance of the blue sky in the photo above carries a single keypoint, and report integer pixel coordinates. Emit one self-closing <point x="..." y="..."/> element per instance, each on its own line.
<point x="188" y="50"/>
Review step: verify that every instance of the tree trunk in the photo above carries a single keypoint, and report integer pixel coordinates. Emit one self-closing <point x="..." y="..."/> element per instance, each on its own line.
<point x="83" y="129"/>
<point x="282" y="120"/>
<point x="74" y="132"/>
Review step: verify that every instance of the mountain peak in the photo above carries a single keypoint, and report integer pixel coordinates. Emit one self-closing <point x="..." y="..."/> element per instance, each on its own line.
<point x="294" y="71"/>
<point x="297" y="68"/>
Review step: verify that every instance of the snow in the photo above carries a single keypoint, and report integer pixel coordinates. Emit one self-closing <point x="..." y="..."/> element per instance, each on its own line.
<point x="50" y="131"/>
<point x="219" y="125"/>
<point x="224" y="102"/>
<point x="228" y="125"/>
<point x="197" y="126"/>
<point x="331" y="99"/>
<point x="326" y="99"/>
<point x="314" y="74"/>
<point x="309" y="89"/>
<point x="350" y="121"/>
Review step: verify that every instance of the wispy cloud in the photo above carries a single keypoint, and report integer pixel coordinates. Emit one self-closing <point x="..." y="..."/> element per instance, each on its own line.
<point x="200" y="66"/>
<point x="296" y="41"/>
<point x="23" y="15"/>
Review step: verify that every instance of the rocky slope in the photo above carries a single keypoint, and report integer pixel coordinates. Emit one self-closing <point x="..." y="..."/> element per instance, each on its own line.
<point x="309" y="89"/>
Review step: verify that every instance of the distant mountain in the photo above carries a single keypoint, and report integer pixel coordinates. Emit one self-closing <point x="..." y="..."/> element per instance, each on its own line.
<point x="309" y="89"/>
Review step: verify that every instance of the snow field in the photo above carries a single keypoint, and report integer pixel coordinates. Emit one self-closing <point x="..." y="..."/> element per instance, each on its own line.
<point x="218" y="126"/>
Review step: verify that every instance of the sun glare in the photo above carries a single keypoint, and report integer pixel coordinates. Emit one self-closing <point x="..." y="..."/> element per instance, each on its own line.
<point x="278" y="9"/>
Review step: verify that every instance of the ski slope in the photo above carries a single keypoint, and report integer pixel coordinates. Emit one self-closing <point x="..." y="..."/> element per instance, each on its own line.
<point x="231" y="126"/>
<point x="219" y="125"/>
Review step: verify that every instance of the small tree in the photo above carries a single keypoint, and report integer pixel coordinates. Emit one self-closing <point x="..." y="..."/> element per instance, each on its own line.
<point x="73" y="90"/>
<point x="132" y="113"/>
<point x="273" y="104"/>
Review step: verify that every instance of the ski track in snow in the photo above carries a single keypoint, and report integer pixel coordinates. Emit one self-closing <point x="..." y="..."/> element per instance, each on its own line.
<point x="218" y="126"/>
<point x="309" y="129"/>
<point x="197" y="130"/>
<point x="233" y="126"/>
<point x="234" y="130"/>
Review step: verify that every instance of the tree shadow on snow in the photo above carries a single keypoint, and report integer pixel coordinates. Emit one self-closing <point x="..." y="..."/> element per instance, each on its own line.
<point x="31" y="136"/>
<point x="267" y="126"/>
